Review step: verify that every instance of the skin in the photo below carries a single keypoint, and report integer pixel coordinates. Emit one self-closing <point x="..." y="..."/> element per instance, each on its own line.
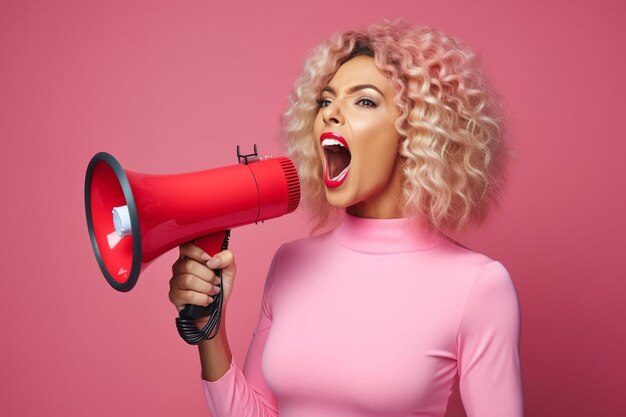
<point x="365" y="117"/>
<point x="358" y="103"/>
<point x="194" y="282"/>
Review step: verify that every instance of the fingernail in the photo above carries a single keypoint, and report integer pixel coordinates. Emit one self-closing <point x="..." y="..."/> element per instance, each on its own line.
<point x="217" y="281"/>
<point x="214" y="263"/>
<point x="205" y="257"/>
<point x="217" y="290"/>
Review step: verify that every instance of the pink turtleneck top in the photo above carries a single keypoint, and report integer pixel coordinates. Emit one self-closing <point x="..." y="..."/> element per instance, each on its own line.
<point x="378" y="319"/>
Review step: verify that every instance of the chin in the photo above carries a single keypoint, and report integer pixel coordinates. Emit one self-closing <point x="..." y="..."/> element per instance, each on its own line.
<point x="340" y="199"/>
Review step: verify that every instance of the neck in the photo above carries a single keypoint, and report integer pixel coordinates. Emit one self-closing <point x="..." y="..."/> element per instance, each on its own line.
<point x="382" y="235"/>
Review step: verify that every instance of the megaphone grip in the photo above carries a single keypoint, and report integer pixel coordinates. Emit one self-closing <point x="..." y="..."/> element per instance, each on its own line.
<point x="186" y="322"/>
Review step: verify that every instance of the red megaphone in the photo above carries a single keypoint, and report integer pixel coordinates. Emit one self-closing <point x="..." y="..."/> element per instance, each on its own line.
<point x="134" y="217"/>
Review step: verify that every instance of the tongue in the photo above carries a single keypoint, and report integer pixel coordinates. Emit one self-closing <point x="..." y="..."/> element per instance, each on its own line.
<point x="337" y="162"/>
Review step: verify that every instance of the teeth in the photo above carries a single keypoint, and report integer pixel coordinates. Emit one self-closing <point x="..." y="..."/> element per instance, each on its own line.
<point x="330" y="142"/>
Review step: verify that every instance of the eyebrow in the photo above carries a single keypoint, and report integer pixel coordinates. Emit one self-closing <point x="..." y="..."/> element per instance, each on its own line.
<point x="354" y="89"/>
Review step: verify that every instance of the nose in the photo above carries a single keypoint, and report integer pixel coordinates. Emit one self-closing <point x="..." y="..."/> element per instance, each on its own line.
<point x="332" y="114"/>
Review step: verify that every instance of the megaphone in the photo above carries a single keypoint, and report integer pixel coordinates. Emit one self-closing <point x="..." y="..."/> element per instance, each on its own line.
<point x="135" y="217"/>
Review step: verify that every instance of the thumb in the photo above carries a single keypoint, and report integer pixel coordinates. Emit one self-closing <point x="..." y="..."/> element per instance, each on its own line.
<point x="224" y="260"/>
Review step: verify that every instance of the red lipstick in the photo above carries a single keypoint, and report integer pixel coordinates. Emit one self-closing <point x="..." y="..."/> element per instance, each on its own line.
<point x="337" y="153"/>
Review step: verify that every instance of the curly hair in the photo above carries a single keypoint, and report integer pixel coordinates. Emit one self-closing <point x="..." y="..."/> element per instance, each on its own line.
<point x="452" y="154"/>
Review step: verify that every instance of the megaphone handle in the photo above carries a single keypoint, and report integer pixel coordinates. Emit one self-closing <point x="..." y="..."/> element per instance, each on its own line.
<point x="211" y="244"/>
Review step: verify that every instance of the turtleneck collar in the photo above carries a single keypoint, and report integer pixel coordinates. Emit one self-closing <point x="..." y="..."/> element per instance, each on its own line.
<point x="379" y="236"/>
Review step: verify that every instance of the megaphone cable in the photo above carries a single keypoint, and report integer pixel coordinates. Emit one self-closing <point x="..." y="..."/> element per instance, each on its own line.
<point x="187" y="327"/>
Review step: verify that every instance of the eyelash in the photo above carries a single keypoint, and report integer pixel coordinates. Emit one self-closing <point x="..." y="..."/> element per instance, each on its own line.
<point x="371" y="102"/>
<point x="323" y="102"/>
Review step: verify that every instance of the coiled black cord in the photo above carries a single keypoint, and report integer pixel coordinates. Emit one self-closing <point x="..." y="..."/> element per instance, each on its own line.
<point x="186" y="322"/>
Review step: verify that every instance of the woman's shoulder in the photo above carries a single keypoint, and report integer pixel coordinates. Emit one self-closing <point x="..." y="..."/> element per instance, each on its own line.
<point x="303" y="245"/>
<point x="476" y="275"/>
<point x="457" y="255"/>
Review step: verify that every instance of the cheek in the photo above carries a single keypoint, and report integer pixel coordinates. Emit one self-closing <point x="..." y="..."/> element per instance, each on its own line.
<point x="318" y="125"/>
<point x="380" y="147"/>
<point x="382" y="164"/>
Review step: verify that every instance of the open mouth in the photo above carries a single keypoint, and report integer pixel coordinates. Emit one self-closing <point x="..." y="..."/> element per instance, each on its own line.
<point x="337" y="156"/>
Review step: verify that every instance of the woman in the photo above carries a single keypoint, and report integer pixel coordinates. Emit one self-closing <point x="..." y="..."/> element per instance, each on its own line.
<point x="394" y="126"/>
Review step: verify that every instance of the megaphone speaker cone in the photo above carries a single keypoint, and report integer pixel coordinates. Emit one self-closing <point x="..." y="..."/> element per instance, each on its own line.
<point x="107" y="188"/>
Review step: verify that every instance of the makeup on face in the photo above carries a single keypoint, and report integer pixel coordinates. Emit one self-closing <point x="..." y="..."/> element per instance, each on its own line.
<point x="357" y="136"/>
<point x="337" y="154"/>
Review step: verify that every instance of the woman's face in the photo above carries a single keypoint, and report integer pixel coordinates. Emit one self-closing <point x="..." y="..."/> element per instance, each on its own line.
<point x="357" y="140"/>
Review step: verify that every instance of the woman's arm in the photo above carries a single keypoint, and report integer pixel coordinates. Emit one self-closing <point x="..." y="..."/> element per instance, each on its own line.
<point x="229" y="391"/>
<point x="215" y="355"/>
<point x="195" y="282"/>
<point x="488" y="347"/>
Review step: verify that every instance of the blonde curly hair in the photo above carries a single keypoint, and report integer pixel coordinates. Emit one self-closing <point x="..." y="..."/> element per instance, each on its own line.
<point x="452" y="154"/>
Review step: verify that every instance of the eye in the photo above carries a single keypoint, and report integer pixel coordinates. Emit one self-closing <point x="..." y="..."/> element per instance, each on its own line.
<point x="365" y="102"/>
<point x="323" y="102"/>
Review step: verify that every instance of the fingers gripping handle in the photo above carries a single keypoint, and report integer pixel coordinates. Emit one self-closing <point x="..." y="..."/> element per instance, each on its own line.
<point x="210" y="244"/>
<point x="185" y="323"/>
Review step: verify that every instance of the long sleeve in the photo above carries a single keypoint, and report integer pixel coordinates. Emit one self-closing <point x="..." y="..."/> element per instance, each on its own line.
<point x="488" y="347"/>
<point x="244" y="393"/>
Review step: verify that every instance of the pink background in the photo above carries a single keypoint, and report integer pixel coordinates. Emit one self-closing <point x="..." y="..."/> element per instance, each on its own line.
<point x="171" y="87"/>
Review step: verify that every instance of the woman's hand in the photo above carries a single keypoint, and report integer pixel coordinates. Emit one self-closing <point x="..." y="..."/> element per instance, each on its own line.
<point x="194" y="280"/>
